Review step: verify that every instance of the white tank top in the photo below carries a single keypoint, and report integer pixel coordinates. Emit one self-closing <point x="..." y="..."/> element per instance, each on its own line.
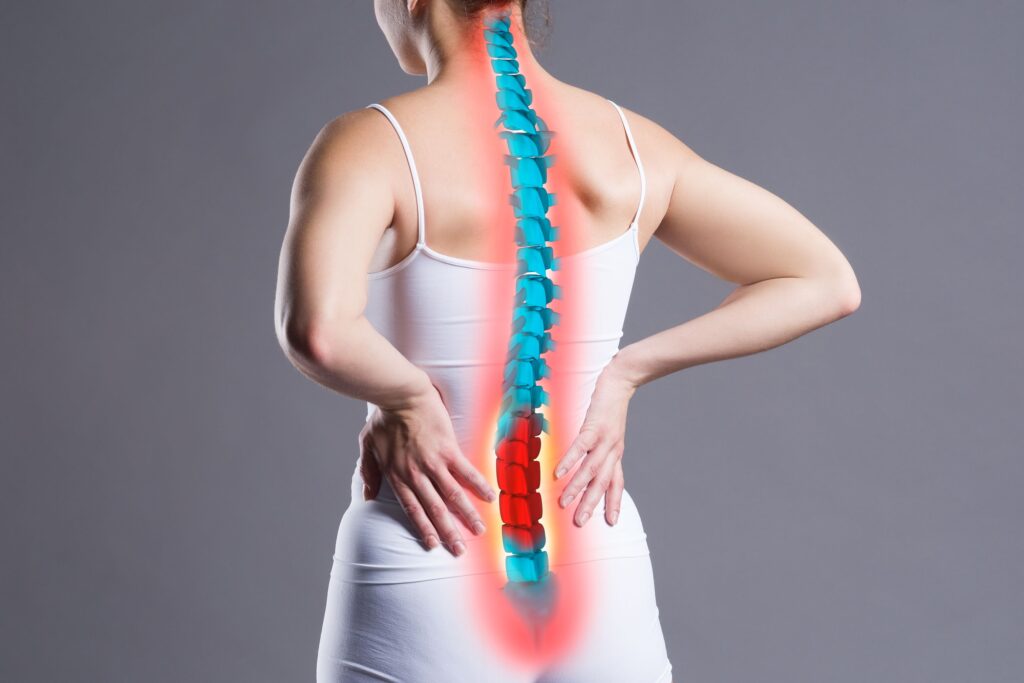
<point x="438" y="311"/>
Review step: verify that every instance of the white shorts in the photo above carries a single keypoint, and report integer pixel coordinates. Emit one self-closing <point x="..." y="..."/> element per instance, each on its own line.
<point x="388" y="620"/>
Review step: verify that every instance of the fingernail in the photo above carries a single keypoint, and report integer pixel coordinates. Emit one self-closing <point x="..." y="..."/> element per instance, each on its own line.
<point x="615" y="517"/>
<point x="566" y="501"/>
<point x="583" y="518"/>
<point x="478" y="527"/>
<point x="431" y="541"/>
<point x="559" y="472"/>
<point x="458" y="548"/>
<point x="491" y="495"/>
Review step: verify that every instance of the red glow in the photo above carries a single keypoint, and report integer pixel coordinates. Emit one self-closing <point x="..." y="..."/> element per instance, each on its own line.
<point x="502" y="626"/>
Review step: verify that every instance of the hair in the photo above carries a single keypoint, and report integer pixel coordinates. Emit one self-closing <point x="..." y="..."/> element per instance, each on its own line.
<point x="537" y="27"/>
<point x="474" y="7"/>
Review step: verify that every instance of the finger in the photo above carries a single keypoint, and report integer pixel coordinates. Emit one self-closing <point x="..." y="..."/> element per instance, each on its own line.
<point x="472" y="478"/>
<point x="414" y="511"/>
<point x="438" y="513"/>
<point x="453" y="492"/>
<point x="589" y="468"/>
<point x="581" y="445"/>
<point x="369" y="470"/>
<point x="613" y="499"/>
<point x="595" y="489"/>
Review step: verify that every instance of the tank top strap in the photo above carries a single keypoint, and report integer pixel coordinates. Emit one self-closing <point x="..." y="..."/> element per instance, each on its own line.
<point x="636" y="157"/>
<point x="420" y="214"/>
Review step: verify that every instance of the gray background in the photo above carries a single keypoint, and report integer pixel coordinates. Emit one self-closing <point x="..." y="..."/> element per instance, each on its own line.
<point x="845" y="508"/>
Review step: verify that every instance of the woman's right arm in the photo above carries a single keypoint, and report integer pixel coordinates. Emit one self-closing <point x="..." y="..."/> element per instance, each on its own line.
<point x="342" y="201"/>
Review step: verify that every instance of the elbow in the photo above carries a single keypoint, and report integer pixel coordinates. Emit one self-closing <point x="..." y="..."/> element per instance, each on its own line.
<point x="849" y="300"/>
<point x="305" y="342"/>
<point x="844" y="292"/>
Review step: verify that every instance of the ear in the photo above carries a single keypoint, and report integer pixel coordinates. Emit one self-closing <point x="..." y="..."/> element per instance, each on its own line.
<point x="415" y="5"/>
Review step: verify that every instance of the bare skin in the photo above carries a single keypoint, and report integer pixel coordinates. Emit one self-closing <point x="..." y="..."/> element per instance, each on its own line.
<point x="353" y="211"/>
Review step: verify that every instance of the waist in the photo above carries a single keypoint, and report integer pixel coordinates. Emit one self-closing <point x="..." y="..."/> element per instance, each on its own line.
<point x="376" y="542"/>
<point x="471" y="389"/>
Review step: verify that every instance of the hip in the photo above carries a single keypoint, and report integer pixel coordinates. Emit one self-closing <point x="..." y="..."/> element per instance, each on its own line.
<point x="377" y="543"/>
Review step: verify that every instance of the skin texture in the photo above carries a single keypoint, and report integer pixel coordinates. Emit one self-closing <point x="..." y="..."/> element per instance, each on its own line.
<point x="354" y="183"/>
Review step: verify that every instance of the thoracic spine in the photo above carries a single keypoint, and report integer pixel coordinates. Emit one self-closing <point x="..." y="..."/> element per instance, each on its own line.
<point x="520" y="425"/>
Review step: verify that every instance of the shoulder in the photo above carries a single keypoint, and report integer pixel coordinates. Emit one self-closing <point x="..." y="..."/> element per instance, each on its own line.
<point x="365" y="137"/>
<point x="659" y="147"/>
<point x="356" y="135"/>
<point x="355" y="147"/>
<point x="667" y="160"/>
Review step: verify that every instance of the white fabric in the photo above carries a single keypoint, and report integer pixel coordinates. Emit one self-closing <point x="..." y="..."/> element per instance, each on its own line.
<point x="426" y="632"/>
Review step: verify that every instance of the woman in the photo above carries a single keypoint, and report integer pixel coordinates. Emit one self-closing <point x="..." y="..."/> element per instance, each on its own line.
<point x="416" y="321"/>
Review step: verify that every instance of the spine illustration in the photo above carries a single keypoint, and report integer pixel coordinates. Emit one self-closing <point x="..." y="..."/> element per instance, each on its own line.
<point x="520" y="422"/>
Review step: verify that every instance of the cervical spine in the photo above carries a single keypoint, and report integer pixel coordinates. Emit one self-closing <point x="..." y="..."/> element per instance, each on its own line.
<point x="520" y="425"/>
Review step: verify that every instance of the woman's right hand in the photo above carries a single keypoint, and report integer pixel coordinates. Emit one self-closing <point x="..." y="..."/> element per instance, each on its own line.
<point x="415" y="449"/>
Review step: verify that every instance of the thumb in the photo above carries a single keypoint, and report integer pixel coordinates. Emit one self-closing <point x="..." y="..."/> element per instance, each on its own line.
<point x="369" y="470"/>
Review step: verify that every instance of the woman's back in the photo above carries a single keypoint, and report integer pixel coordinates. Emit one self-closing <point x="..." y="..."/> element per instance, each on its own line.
<point x="442" y="293"/>
<point x="452" y="316"/>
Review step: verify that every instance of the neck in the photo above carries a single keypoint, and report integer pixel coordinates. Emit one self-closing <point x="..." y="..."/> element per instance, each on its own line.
<point x="453" y="47"/>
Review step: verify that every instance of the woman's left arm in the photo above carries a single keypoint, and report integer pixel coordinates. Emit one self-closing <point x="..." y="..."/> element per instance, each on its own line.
<point x="790" y="279"/>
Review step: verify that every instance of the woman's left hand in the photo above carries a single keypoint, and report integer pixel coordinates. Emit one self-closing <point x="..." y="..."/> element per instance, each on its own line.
<point x="599" y="446"/>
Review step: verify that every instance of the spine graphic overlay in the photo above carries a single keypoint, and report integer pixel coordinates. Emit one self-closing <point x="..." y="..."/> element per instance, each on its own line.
<point x="520" y="424"/>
